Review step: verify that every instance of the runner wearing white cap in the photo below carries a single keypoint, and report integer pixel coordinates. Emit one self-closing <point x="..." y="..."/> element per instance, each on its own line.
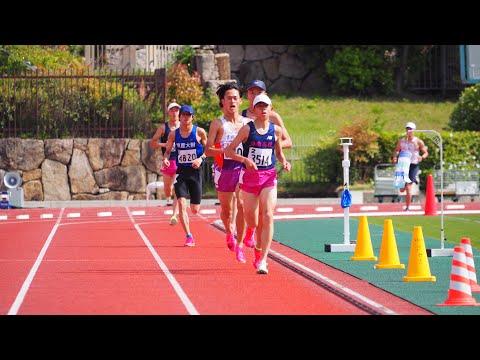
<point x="414" y="146"/>
<point x="168" y="173"/>
<point x="258" y="177"/>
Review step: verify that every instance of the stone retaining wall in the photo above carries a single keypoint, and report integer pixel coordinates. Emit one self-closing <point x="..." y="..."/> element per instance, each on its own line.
<point x="81" y="169"/>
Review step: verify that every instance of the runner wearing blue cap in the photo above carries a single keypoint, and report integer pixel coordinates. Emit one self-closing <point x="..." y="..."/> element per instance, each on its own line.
<point x="190" y="141"/>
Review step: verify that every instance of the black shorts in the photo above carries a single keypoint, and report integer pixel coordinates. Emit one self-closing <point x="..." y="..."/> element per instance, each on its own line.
<point x="189" y="183"/>
<point x="412" y="174"/>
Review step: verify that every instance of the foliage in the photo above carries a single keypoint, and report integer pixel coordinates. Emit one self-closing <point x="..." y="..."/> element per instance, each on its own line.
<point x="15" y="58"/>
<point x="466" y="114"/>
<point x="353" y="70"/>
<point x="363" y="150"/>
<point x="185" y="88"/>
<point x="184" y="55"/>
<point x="324" y="162"/>
<point x="63" y="107"/>
<point x="207" y="111"/>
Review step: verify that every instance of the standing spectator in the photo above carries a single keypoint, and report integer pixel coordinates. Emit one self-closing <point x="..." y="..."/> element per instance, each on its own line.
<point x="258" y="177"/>
<point x="227" y="171"/>
<point x="189" y="141"/>
<point x="169" y="172"/>
<point x="414" y="146"/>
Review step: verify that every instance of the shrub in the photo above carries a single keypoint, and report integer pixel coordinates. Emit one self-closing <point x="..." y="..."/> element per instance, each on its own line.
<point x="466" y="114"/>
<point x="185" y="88"/>
<point x="357" y="71"/>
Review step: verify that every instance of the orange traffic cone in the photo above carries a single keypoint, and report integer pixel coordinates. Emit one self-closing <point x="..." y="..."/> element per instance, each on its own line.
<point x="363" y="246"/>
<point x="460" y="292"/>
<point x="418" y="267"/>
<point x="388" y="250"/>
<point x="430" y="205"/>
<point x="467" y="246"/>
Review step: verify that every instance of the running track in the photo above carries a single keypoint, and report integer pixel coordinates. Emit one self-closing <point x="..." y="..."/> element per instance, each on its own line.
<point x="129" y="261"/>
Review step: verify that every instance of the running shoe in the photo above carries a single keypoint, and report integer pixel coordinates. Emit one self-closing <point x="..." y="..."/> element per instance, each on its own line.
<point x="231" y="242"/>
<point x="190" y="241"/>
<point x="240" y="255"/>
<point x="248" y="240"/>
<point x="257" y="254"/>
<point x="173" y="220"/>
<point x="262" y="268"/>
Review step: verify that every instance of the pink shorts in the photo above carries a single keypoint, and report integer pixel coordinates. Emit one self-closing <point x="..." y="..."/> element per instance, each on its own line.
<point x="171" y="170"/>
<point x="225" y="180"/>
<point x="254" y="181"/>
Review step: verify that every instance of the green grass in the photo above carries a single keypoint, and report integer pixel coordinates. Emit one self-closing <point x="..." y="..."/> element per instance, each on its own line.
<point x="455" y="226"/>
<point x="326" y="115"/>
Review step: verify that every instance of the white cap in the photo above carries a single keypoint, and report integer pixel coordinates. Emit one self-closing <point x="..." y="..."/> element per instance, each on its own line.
<point x="411" y="125"/>
<point x="262" y="98"/>
<point x="172" y="105"/>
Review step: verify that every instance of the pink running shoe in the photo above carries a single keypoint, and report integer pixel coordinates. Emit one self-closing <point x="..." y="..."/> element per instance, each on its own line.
<point x="240" y="255"/>
<point x="231" y="242"/>
<point x="257" y="254"/>
<point x="248" y="240"/>
<point x="190" y="241"/>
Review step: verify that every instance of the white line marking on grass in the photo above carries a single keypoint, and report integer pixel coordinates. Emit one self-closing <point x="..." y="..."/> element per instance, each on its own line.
<point x="26" y="284"/>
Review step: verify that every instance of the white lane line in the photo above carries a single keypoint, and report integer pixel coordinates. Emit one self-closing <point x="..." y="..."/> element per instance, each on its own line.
<point x="3" y="217"/>
<point x="208" y="211"/>
<point x="104" y="213"/>
<point x="26" y="284"/>
<point x="178" y="289"/>
<point x="455" y="207"/>
<point x="138" y="212"/>
<point x="284" y="210"/>
<point x="46" y="216"/>
<point x="415" y="207"/>
<point x="368" y="208"/>
<point x="23" y="217"/>
<point x="324" y="208"/>
<point x="336" y="285"/>
<point x="73" y="215"/>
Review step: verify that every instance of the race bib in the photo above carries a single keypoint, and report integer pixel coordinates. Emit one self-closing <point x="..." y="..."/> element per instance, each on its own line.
<point x="238" y="150"/>
<point x="260" y="156"/>
<point x="186" y="156"/>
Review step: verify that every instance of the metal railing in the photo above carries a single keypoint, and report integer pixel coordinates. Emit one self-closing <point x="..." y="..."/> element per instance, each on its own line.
<point x="81" y="103"/>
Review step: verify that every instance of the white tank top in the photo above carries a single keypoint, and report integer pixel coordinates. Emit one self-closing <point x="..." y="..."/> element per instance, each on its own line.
<point x="410" y="146"/>
<point x="229" y="132"/>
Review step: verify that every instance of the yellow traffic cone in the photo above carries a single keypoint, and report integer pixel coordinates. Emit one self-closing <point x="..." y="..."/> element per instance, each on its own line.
<point x="363" y="246"/>
<point x="388" y="250"/>
<point x="418" y="267"/>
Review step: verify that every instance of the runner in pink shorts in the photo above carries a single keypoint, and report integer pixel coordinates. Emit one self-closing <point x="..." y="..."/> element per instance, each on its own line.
<point x="226" y="171"/>
<point x="168" y="173"/>
<point x="262" y="147"/>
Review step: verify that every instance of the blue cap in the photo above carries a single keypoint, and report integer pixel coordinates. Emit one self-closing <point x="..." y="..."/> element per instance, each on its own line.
<point x="186" y="108"/>
<point x="258" y="83"/>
